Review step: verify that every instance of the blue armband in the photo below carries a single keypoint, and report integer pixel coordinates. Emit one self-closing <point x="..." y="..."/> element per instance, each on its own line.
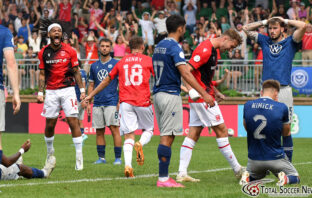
<point x="288" y="146"/>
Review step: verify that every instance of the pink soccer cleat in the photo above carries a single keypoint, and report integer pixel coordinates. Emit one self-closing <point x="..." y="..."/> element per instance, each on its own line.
<point x="170" y="183"/>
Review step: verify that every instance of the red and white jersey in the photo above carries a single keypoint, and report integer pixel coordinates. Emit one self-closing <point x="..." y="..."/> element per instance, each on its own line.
<point x="204" y="61"/>
<point x="58" y="66"/>
<point x="134" y="72"/>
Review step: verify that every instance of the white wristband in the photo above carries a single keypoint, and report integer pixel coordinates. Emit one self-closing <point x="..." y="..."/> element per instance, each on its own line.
<point x="40" y="93"/>
<point x="82" y="90"/>
<point x="264" y="22"/>
<point x="194" y="95"/>
<point x="22" y="151"/>
<point x="286" y="21"/>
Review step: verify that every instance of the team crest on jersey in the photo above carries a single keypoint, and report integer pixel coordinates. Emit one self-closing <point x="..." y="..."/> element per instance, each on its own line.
<point x="276" y="48"/>
<point x="205" y="50"/>
<point x="218" y="118"/>
<point x="299" y="78"/>
<point x="102" y="74"/>
<point x="110" y="66"/>
<point x="181" y="54"/>
<point x="196" y="58"/>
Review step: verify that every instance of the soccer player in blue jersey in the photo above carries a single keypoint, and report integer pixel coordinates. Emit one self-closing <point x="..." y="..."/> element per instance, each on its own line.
<point x="81" y="109"/>
<point x="265" y="121"/>
<point x="169" y="65"/>
<point x="278" y="54"/>
<point x="105" y="112"/>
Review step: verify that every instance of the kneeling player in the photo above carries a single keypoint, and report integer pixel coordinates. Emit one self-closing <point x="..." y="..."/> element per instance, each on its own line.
<point x="11" y="168"/>
<point x="265" y="121"/>
<point x="204" y="63"/>
<point x="135" y="111"/>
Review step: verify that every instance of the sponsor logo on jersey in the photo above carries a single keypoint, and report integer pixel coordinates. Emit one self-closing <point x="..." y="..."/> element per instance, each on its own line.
<point x="299" y="78"/>
<point x="275" y="48"/>
<point x="102" y="74"/>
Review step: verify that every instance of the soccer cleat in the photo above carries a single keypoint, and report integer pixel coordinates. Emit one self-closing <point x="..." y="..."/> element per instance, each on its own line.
<point x="100" y="161"/>
<point x="239" y="174"/>
<point x="79" y="162"/>
<point x="170" y="183"/>
<point x="117" y="161"/>
<point x="186" y="178"/>
<point x="49" y="154"/>
<point x="84" y="138"/>
<point x="245" y="178"/>
<point x="49" y="166"/>
<point x="129" y="171"/>
<point x="139" y="150"/>
<point x="282" y="177"/>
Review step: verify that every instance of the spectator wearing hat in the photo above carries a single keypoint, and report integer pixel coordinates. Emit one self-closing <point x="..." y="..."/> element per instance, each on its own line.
<point x="190" y="16"/>
<point x="147" y="29"/>
<point x="89" y="43"/>
<point x="160" y="24"/>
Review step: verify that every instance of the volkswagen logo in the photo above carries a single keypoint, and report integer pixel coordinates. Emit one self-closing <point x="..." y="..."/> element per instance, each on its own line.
<point x="275" y="48"/>
<point x="102" y="74"/>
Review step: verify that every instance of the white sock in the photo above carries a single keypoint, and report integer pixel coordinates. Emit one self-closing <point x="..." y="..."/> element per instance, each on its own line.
<point x="186" y="155"/>
<point x="163" y="179"/>
<point x="127" y="148"/>
<point x="78" y="144"/>
<point x="49" y="142"/>
<point x="226" y="150"/>
<point x="146" y="137"/>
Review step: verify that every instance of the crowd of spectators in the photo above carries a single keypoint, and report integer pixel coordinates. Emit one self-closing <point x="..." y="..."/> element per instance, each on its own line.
<point x="86" y="21"/>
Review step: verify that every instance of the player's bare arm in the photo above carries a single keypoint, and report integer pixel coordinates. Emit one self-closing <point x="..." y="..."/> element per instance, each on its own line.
<point x="79" y="82"/>
<point x="41" y="86"/>
<point x="99" y="88"/>
<point x="8" y="161"/>
<point x="300" y="29"/>
<point x="250" y="28"/>
<point x="286" y="130"/>
<point x="185" y="71"/>
<point x="13" y="76"/>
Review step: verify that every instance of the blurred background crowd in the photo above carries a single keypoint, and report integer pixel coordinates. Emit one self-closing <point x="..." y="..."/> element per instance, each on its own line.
<point x="86" y="21"/>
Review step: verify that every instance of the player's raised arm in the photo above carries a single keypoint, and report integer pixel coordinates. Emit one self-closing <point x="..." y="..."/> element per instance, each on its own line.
<point x="300" y="29"/>
<point x="249" y="29"/>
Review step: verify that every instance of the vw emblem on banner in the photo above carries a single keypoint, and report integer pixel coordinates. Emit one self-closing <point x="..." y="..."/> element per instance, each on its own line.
<point x="299" y="78"/>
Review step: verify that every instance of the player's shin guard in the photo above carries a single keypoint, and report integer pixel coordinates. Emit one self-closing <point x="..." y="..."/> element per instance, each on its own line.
<point x="78" y="144"/>
<point x="164" y="155"/>
<point x="226" y="150"/>
<point x="128" y="148"/>
<point x="288" y="146"/>
<point x="146" y="137"/>
<point x="291" y="179"/>
<point x="37" y="173"/>
<point x="101" y="151"/>
<point x="186" y="155"/>
<point x="117" y="151"/>
<point x="49" y="142"/>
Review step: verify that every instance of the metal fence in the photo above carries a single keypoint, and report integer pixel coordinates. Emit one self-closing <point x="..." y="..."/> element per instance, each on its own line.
<point x="244" y="76"/>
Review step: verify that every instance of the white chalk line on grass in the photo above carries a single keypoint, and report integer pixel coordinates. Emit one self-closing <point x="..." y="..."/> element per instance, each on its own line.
<point x="118" y="178"/>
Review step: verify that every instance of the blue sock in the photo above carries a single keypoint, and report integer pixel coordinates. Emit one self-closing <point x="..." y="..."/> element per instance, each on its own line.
<point x="293" y="179"/>
<point x="0" y="156"/>
<point x="82" y="131"/>
<point x="288" y="146"/>
<point x="164" y="155"/>
<point x="101" y="150"/>
<point x="37" y="173"/>
<point x="117" y="152"/>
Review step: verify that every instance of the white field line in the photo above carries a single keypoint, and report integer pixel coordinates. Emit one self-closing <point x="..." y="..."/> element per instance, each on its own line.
<point x="118" y="178"/>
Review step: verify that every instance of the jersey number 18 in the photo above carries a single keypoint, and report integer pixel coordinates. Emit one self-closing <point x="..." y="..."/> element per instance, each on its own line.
<point x="136" y="77"/>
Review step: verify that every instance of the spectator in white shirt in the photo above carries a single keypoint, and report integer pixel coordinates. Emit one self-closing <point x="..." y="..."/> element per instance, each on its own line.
<point x="160" y="24"/>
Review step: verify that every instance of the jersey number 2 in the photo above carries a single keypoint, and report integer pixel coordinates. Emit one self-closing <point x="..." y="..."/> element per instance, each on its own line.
<point x="258" y="130"/>
<point x="136" y="77"/>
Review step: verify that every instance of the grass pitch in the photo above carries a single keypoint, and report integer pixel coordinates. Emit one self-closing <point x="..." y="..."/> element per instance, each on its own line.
<point x="107" y="180"/>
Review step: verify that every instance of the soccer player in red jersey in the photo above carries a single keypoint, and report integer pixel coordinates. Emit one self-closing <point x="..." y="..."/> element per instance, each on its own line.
<point x="58" y="73"/>
<point x="135" y="111"/>
<point x="204" y="64"/>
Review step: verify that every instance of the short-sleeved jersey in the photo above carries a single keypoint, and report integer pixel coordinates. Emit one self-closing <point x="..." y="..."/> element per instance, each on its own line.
<point x="6" y="43"/>
<point x="277" y="58"/>
<point x="58" y="66"/>
<point x="99" y="71"/>
<point x="264" y="120"/>
<point x="134" y="71"/>
<point x="84" y="79"/>
<point x="204" y="61"/>
<point x="168" y="55"/>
